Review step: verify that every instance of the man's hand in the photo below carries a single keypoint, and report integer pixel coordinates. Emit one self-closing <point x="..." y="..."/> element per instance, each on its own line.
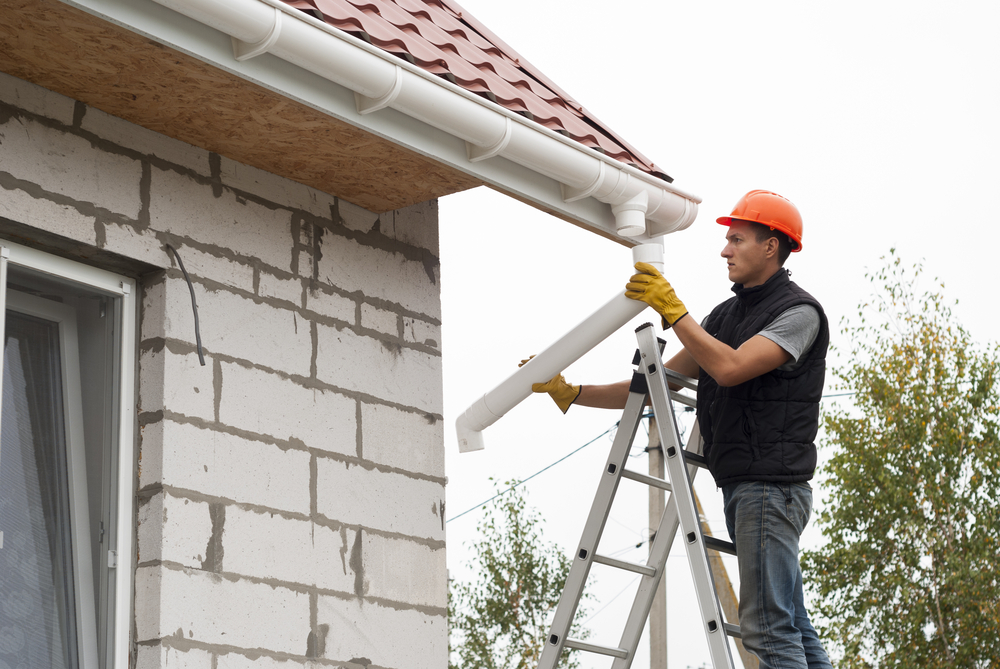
<point x="562" y="393"/>
<point x="650" y="287"/>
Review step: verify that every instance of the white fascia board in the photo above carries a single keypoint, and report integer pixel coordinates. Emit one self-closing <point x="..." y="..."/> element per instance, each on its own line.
<point x="196" y="39"/>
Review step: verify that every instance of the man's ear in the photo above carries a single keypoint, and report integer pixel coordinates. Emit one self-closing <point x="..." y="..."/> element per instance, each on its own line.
<point x="771" y="249"/>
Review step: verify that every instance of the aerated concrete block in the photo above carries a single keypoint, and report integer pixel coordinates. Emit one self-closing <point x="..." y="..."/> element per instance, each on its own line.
<point x="60" y="219"/>
<point x="381" y="369"/>
<point x="331" y="304"/>
<point x="165" y="657"/>
<point x="405" y="571"/>
<point x="289" y="290"/>
<point x="384" y="501"/>
<point x="265" y="545"/>
<point x="137" y="138"/>
<point x="68" y="165"/>
<point x="225" y="466"/>
<point x="183" y="206"/>
<point x="352" y="266"/>
<point x="417" y="331"/>
<point x="35" y="99"/>
<point x="276" y="189"/>
<point x="268" y="404"/>
<point x="383" y="321"/>
<point x="385" y="637"/>
<point x="237" y="326"/>
<point x="402" y="439"/>
<point x="174" y="530"/>
<point x="417" y="225"/>
<point x="207" y="608"/>
<point x="176" y="382"/>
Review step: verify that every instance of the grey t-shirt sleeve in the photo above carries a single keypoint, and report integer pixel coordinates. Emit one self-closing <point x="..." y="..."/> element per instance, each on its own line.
<point x="794" y="330"/>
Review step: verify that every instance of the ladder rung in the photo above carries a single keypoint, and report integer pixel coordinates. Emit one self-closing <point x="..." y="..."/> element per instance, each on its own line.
<point x="648" y="480"/>
<point x="643" y="569"/>
<point x="683" y="399"/>
<point x="681" y="380"/>
<point x="720" y="545"/>
<point x="732" y="630"/>
<point x="593" y="648"/>
<point x="695" y="459"/>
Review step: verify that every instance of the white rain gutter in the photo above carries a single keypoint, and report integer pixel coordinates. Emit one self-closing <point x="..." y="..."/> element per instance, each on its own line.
<point x="641" y="203"/>
<point x="597" y="327"/>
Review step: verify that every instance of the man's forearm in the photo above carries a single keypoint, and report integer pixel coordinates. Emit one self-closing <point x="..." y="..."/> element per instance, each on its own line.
<point x="607" y="396"/>
<point x="728" y="366"/>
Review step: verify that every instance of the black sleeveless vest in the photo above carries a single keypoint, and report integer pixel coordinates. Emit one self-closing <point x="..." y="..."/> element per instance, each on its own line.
<point x="763" y="429"/>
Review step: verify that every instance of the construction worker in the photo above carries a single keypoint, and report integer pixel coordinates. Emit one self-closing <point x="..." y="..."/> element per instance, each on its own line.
<point x="760" y="362"/>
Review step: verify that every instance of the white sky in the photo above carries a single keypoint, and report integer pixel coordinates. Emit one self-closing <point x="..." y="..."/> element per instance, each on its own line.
<point x="879" y="120"/>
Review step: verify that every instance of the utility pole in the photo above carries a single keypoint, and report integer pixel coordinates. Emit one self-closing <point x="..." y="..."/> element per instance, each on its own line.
<point x="657" y="502"/>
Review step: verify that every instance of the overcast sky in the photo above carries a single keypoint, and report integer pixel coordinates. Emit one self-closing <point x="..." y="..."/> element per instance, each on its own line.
<point x="879" y="120"/>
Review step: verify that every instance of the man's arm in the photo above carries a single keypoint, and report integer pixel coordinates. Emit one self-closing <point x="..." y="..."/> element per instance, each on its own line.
<point x="614" y="395"/>
<point x="729" y="366"/>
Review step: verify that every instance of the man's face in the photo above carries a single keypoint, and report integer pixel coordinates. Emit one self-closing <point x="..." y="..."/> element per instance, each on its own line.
<point x="745" y="256"/>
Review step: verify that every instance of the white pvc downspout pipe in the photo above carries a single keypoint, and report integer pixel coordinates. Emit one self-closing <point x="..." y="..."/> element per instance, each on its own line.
<point x="561" y="354"/>
<point x="381" y="80"/>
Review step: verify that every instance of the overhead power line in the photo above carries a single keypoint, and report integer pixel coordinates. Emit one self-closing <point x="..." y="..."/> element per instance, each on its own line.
<point x="573" y="452"/>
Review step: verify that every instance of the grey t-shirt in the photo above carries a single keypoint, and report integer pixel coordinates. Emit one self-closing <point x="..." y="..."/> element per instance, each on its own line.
<point x="794" y="330"/>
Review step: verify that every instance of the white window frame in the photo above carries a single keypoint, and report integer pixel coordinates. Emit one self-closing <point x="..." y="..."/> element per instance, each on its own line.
<point x="123" y="288"/>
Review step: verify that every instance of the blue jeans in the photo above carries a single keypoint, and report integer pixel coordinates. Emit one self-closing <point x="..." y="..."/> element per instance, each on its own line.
<point x="765" y="521"/>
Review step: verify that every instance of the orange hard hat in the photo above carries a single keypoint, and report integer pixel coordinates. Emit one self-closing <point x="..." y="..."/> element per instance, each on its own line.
<point x="770" y="209"/>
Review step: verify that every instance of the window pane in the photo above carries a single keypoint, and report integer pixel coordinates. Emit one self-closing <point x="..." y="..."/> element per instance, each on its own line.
<point x="37" y="602"/>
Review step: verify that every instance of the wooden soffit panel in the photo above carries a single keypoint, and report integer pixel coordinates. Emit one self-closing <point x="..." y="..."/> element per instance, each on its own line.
<point x="130" y="76"/>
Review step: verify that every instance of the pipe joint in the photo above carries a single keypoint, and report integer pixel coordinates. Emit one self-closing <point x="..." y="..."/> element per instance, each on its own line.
<point x="630" y="216"/>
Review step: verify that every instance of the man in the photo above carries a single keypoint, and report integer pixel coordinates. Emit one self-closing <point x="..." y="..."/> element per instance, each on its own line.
<point x="760" y="360"/>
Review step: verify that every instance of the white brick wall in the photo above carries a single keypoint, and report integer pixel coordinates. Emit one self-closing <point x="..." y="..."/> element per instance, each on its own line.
<point x="402" y="439"/>
<point x="174" y="530"/>
<point x="211" y="609"/>
<point x="379" y="368"/>
<point x="70" y="166"/>
<point x="22" y="95"/>
<point x="60" y="219"/>
<point x="224" y="466"/>
<point x="383" y="501"/>
<point x="182" y="206"/>
<point x="296" y="480"/>
<point x="295" y="551"/>
<point x="398" y="570"/>
<point x="165" y="657"/>
<point x="353" y="266"/>
<point x="423" y="645"/>
<point x="271" y="405"/>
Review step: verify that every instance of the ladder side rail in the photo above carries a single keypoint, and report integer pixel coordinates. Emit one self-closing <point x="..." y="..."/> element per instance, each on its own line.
<point x="593" y="529"/>
<point x="683" y="500"/>
<point x="658" y="552"/>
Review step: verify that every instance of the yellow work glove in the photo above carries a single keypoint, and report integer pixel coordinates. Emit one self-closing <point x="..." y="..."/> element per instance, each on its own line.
<point x="562" y="393"/>
<point x="650" y="287"/>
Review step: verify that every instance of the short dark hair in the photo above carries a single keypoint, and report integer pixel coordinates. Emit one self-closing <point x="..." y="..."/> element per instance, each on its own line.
<point x="763" y="233"/>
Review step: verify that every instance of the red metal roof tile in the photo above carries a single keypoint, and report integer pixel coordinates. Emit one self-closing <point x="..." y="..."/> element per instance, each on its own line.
<point x="443" y="39"/>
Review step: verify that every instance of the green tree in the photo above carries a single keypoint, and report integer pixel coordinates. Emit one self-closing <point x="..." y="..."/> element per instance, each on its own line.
<point x="910" y="574"/>
<point x="500" y="619"/>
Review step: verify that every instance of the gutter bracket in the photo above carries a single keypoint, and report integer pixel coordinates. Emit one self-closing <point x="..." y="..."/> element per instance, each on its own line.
<point x="477" y="153"/>
<point x="245" y="51"/>
<point x="367" y="105"/>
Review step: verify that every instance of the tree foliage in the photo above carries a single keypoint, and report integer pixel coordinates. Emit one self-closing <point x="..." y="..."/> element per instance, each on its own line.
<point x="500" y="619"/>
<point x="910" y="574"/>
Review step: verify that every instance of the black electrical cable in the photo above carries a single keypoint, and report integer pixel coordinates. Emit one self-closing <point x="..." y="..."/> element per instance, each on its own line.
<point x="613" y="427"/>
<point x="194" y="304"/>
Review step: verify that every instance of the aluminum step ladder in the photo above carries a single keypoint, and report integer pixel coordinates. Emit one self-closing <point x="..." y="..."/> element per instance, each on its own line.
<point x="649" y="380"/>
